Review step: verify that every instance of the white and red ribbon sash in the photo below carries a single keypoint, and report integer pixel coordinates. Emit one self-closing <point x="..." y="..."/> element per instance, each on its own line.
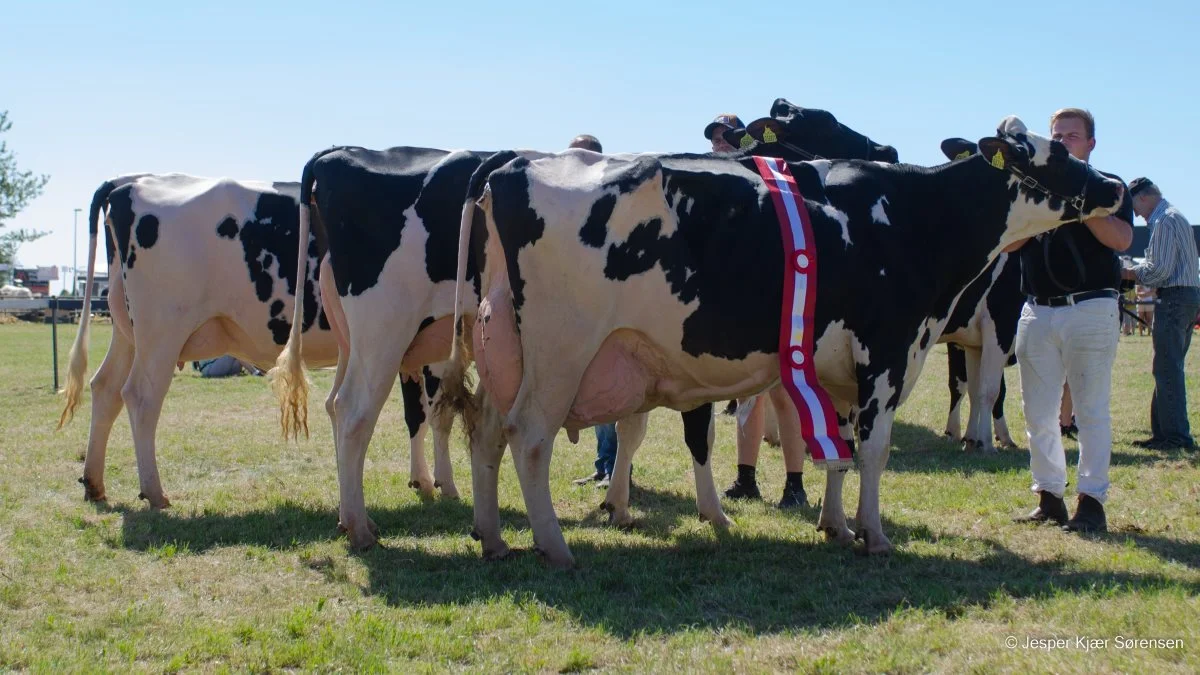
<point x="818" y="419"/>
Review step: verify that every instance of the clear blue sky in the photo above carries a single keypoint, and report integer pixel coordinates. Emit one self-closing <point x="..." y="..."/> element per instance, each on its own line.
<point x="252" y="89"/>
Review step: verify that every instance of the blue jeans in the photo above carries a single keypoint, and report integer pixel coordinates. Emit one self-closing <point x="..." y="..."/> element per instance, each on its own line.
<point x="1173" y="320"/>
<point x="606" y="448"/>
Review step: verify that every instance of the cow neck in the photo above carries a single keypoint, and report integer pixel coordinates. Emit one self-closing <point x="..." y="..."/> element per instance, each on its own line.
<point x="962" y="207"/>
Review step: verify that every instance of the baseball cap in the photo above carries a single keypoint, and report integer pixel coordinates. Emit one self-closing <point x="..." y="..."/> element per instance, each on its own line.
<point x="723" y="120"/>
<point x="1138" y="184"/>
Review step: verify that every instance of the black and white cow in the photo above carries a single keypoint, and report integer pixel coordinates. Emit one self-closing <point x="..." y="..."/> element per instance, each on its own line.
<point x="199" y="267"/>
<point x="392" y="222"/>
<point x="609" y="284"/>
<point x="980" y="342"/>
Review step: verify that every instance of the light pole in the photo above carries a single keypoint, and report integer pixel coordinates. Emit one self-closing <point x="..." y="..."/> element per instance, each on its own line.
<point x="75" y="255"/>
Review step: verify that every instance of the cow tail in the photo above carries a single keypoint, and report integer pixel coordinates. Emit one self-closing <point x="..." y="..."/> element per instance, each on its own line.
<point x="455" y="393"/>
<point x="288" y="378"/>
<point x="79" y="356"/>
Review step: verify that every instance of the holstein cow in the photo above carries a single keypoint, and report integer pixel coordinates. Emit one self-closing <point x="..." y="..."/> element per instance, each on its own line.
<point x="392" y="222"/>
<point x="609" y="285"/>
<point x="980" y="340"/>
<point x="200" y="267"/>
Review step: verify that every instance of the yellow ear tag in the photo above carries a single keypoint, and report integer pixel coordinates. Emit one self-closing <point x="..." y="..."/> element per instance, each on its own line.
<point x="747" y="141"/>
<point x="769" y="136"/>
<point x="963" y="155"/>
<point x="998" y="160"/>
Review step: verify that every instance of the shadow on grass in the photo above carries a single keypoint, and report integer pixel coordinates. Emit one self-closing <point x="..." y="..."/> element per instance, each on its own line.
<point x="632" y="585"/>
<point x="289" y="524"/>
<point x="919" y="449"/>
<point x="756" y="583"/>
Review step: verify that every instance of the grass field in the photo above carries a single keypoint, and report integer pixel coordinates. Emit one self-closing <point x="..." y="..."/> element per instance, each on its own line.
<point x="246" y="571"/>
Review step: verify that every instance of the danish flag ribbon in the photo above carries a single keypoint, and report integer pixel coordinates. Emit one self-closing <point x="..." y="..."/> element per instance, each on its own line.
<point x="818" y="419"/>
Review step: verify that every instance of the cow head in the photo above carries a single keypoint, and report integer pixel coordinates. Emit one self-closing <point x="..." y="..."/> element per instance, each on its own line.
<point x="1048" y="186"/>
<point x="797" y="134"/>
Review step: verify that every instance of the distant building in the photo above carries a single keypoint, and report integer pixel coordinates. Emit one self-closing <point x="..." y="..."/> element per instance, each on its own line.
<point x="36" y="279"/>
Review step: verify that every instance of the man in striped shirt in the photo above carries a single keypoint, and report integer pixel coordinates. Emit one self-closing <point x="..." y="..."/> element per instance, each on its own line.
<point x="1171" y="267"/>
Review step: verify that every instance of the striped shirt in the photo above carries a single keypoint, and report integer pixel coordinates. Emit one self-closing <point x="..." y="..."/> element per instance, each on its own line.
<point x="1171" y="258"/>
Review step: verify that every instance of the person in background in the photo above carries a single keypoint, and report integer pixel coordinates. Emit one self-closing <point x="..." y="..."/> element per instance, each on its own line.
<point x="1170" y="266"/>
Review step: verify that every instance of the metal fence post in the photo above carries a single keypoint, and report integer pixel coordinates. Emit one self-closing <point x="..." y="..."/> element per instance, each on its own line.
<point x="54" y="336"/>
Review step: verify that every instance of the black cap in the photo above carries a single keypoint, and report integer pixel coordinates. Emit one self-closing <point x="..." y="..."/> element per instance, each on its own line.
<point x="723" y="120"/>
<point x="1138" y="184"/>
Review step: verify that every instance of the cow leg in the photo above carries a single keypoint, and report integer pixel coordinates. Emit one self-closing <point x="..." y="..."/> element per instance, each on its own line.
<point x="630" y="433"/>
<point x="338" y="376"/>
<point x="990" y="378"/>
<point x="975" y="394"/>
<point x="956" y="362"/>
<point x="143" y="393"/>
<point x="415" y="416"/>
<point x="441" y="419"/>
<point x="487" y="449"/>
<point x="106" y="406"/>
<point x="357" y="406"/>
<point x="699" y="431"/>
<point x="873" y="453"/>
<point x="832" y="520"/>
<point x="532" y="443"/>
<point x="771" y="425"/>
<point x="1003" y="438"/>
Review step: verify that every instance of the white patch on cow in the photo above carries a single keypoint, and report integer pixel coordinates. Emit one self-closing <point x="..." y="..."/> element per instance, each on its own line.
<point x="842" y="218"/>
<point x="834" y="360"/>
<point x="268" y="220"/>
<point x="841" y="173"/>
<point x="822" y="167"/>
<point x="878" y="214"/>
<point x="882" y="273"/>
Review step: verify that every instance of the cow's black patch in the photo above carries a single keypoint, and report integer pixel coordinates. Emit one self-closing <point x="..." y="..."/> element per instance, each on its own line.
<point x="228" y="228"/>
<point x="414" y="410"/>
<point x="925" y="337"/>
<point x="362" y="197"/>
<point x="517" y="224"/>
<point x="595" y="228"/>
<point x="276" y="308"/>
<point x="440" y="208"/>
<point x="695" y="432"/>
<point x="432" y="382"/>
<point x="147" y="230"/>
<point x="280" y="329"/>
<point x="132" y="257"/>
<point x="120" y="215"/>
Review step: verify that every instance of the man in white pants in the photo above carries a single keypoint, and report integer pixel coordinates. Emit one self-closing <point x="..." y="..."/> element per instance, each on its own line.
<point x="1068" y="332"/>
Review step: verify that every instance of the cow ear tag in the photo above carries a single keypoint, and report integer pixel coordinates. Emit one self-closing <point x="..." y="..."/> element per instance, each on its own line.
<point x="746" y="141"/>
<point x="769" y="136"/>
<point x="998" y="160"/>
<point x="962" y="155"/>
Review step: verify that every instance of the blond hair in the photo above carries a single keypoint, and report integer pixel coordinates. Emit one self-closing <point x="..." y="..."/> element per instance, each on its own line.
<point x="1089" y="122"/>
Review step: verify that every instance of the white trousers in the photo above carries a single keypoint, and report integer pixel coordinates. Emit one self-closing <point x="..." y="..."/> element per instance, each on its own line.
<point x="1078" y="344"/>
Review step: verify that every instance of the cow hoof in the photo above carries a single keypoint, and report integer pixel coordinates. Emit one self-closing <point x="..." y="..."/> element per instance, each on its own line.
<point x="842" y="536"/>
<point x="424" y="487"/>
<point x="503" y="552"/>
<point x="92" y="492"/>
<point x="362" y="542"/>
<point x="874" y="544"/>
<point x="449" y="490"/>
<point x="561" y="562"/>
<point x="157" y="504"/>
<point x="620" y="519"/>
<point x="719" y="521"/>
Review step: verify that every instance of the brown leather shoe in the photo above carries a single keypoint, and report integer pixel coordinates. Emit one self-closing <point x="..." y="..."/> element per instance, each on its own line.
<point x="1089" y="516"/>
<point x="1050" y="508"/>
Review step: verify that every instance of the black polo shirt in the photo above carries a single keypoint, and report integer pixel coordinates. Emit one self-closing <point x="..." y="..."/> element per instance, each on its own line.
<point x="1070" y="259"/>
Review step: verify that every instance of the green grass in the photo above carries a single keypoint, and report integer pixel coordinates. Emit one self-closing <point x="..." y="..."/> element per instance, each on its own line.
<point x="246" y="571"/>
